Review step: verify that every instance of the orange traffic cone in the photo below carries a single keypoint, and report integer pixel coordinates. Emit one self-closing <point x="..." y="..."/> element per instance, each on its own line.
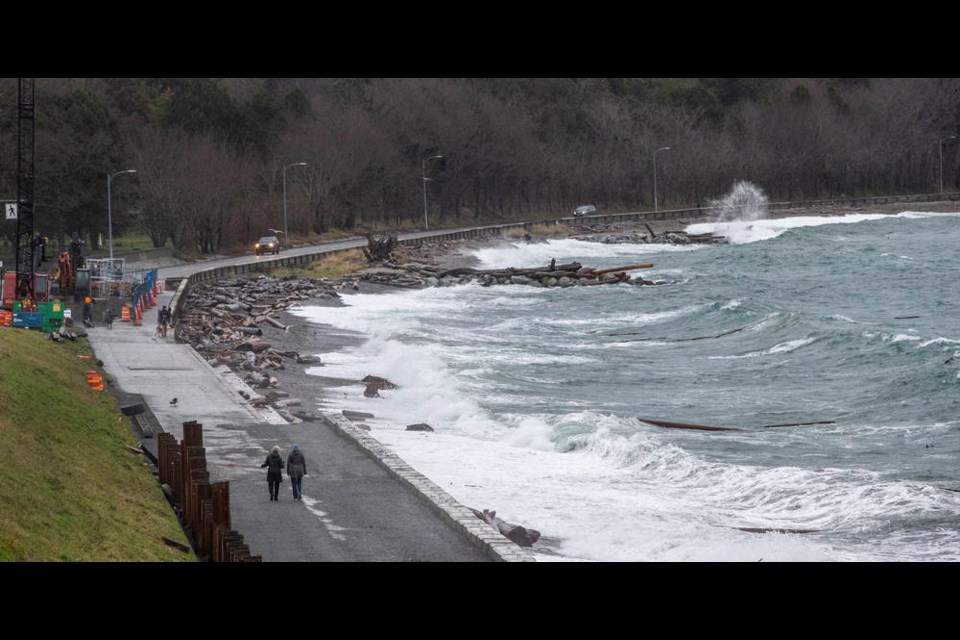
<point x="137" y="316"/>
<point x="150" y="293"/>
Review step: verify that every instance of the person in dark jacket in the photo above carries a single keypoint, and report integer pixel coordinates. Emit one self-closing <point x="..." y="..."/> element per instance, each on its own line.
<point x="296" y="469"/>
<point x="88" y="311"/>
<point x="274" y="466"/>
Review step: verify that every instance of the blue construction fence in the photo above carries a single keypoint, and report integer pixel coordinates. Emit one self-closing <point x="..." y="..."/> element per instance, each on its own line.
<point x="142" y="294"/>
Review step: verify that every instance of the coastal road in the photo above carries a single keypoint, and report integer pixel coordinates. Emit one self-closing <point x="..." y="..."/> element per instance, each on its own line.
<point x="184" y="270"/>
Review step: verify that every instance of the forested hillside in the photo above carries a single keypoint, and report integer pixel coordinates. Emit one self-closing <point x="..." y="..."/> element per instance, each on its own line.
<point x="210" y="153"/>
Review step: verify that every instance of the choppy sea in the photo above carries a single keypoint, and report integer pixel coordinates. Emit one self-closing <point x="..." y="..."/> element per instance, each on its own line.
<point x="538" y="396"/>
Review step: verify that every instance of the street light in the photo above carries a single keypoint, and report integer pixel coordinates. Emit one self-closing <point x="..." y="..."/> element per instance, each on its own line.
<point x="655" y="175"/>
<point x="110" y="209"/>
<point x="286" y="236"/>
<point x="426" y="225"/>
<point x="941" y="160"/>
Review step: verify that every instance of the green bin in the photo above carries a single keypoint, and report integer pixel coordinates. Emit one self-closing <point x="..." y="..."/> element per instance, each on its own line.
<point x="52" y="313"/>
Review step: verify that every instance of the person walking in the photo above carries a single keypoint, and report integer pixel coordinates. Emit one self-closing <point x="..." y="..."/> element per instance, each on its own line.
<point x="296" y="469"/>
<point x="274" y="466"/>
<point x="163" y="317"/>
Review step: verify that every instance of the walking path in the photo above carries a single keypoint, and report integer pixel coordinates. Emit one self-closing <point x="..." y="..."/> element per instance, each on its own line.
<point x="359" y="504"/>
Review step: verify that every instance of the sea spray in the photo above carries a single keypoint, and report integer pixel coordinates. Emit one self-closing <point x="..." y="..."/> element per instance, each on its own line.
<point x="746" y="202"/>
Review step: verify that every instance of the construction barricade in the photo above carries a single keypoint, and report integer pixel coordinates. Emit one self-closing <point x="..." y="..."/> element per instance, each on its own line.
<point x="95" y="380"/>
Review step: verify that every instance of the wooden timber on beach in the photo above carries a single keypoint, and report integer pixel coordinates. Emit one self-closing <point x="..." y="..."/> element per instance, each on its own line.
<point x="552" y="275"/>
<point x="630" y="234"/>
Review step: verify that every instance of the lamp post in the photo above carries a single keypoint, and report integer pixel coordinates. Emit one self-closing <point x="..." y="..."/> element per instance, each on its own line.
<point x="286" y="236"/>
<point x="941" y="160"/>
<point x="110" y="207"/>
<point x="426" y="225"/>
<point x="655" y="175"/>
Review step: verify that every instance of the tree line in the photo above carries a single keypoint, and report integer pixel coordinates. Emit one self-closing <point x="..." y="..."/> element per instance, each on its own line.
<point x="214" y="156"/>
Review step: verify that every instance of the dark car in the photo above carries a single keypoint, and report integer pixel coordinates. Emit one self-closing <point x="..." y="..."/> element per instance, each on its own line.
<point x="584" y="210"/>
<point x="267" y="244"/>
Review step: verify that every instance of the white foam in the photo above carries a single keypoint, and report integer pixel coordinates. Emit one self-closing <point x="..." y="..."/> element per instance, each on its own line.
<point x="756" y="230"/>
<point x="902" y="337"/>
<point x="783" y="347"/>
<point x="912" y="215"/>
<point x="937" y="340"/>
<point x="539" y="254"/>
<point x="742" y="232"/>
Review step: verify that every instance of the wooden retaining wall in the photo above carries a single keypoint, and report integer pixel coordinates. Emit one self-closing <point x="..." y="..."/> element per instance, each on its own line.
<point x="204" y="506"/>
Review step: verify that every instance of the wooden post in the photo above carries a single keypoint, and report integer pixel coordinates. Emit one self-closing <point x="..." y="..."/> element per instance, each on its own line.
<point x="193" y="434"/>
<point x="165" y="444"/>
<point x="195" y="470"/>
<point x="221" y="503"/>
<point x="201" y="533"/>
<point x="227" y="540"/>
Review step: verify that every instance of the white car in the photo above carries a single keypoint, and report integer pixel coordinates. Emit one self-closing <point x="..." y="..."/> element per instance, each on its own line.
<point x="584" y="210"/>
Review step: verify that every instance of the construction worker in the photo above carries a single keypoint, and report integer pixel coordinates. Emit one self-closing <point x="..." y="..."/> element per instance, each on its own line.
<point x="88" y="311"/>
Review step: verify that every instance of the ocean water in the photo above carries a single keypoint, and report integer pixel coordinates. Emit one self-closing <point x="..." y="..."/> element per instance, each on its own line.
<point x="537" y="395"/>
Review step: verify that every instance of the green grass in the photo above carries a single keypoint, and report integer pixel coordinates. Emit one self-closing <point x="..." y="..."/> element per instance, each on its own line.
<point x="70" y="490"/>
<point x="127" y="243"/>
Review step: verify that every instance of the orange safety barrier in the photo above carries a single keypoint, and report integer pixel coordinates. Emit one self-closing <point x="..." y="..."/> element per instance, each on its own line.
<point x="6" y="318"/>
<point x="159" y="287"/>
<point x="95" y="380"/>
<point x="125" y="313"/>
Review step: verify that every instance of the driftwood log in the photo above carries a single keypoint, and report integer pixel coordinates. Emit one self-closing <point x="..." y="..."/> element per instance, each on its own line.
<point x="547" y="276"/>
<point x="379" y="249"/>
<point x="701" y="427"/>
<point x="514" y="532"/>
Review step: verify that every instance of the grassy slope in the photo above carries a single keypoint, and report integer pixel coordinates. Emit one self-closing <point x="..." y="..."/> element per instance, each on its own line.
<point x="332" y="266"/>
<point x="70" y="490"/>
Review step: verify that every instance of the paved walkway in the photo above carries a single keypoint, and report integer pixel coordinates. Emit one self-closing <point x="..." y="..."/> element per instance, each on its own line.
<point x="353" y="509"/>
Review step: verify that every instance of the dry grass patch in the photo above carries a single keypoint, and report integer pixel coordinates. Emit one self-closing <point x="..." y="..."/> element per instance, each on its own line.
<point x="334" y="265"/>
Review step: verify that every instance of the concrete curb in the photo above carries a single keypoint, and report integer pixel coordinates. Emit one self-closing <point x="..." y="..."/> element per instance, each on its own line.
<point x="478" y="533"/>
